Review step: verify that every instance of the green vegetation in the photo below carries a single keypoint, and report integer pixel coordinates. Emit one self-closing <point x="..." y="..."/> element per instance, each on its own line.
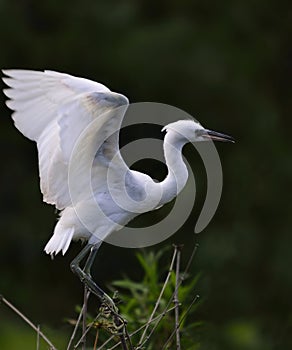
<point x="140" y="299"/>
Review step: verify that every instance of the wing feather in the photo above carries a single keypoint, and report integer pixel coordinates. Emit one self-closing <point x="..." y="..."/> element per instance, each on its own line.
<point x="54" y="109"/>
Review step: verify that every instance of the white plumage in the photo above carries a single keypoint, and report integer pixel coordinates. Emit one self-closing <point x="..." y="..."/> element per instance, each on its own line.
<point x="75" y="123"/>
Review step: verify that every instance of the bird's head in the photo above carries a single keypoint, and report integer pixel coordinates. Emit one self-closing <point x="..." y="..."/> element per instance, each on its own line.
<point x="193" y="131"/>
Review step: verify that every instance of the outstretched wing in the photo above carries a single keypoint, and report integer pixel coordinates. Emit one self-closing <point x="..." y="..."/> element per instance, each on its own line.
<point x="56" y="110"/>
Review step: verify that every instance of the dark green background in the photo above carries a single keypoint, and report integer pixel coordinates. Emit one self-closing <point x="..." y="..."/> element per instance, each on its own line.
<point x="228" y="63"/>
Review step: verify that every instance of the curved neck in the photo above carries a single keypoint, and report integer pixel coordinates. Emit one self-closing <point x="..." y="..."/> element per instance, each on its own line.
<point x="177" y="171"/>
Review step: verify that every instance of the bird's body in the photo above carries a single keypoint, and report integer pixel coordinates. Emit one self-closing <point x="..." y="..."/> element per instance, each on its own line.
<point x="57" y="111"/>
<point x="116" y="209"/>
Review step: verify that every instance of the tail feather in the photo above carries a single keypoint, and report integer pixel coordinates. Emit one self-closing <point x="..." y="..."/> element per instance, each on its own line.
<point x="59" y="241"/>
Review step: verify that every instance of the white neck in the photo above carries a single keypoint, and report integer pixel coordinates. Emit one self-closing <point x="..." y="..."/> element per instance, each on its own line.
<point x="177" y="171"/>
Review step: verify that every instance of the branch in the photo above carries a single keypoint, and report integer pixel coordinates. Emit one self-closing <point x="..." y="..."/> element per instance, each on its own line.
<point x="159" y="298"/>
<point x="181" y="278"/>
<point x="158" y="317"/>
<point x="175" y="297"/>
<point x="77" y="323"/>
<point x="21" y="315"/>
<point x="180" y="322"/>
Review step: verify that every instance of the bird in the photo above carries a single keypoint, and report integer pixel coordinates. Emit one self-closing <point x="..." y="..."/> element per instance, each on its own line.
<point x="59" y="111"/>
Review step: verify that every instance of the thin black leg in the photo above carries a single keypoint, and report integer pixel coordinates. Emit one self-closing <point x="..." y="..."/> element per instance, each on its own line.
<point x="107" y="304"/>
<point x="90" y="260"/>
<point x="85" y="277"/>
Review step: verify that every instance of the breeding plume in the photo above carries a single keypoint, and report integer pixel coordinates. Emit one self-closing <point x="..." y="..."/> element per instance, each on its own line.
<point x="58" y="112"/>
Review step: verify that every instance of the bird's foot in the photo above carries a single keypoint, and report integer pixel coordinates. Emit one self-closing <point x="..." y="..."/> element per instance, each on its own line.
<point x="110" y="317"/>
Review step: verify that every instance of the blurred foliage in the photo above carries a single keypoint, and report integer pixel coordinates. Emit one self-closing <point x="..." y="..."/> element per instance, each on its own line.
<point x="227" y="63"/>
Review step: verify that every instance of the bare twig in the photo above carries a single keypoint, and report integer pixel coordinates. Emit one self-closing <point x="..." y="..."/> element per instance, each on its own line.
<point x="86" y="331"/>
<point x="84" y="314"/>
<point x="180" y="322"/>
<point x="123" y="342"/>
<point x="76" y="326"/>
<point x="160" y="316"/>
<point x="96" y="340"/>
<point x="102" y="321"/>
<point x="38" y="338"/>
<point x="21" y="315"/>
<point x="189" y="262"/>
<point x="175" y="298"/>
<point x="158" y="300"/>
<point x="128" y="337"/>
<point x="182" y="277"/>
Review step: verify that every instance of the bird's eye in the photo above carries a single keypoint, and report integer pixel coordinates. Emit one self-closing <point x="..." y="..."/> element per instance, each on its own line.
<point x="199" y="132"/>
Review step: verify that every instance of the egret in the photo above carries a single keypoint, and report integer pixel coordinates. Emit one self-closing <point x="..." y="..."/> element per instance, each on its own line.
<point x="53" y="109"/>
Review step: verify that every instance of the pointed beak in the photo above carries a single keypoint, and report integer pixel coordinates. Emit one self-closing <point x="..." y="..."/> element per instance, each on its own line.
<point x="217" y="136"/>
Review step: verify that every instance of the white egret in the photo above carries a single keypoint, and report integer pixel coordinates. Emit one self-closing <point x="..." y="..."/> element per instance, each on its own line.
<point x="53" y="109"/>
